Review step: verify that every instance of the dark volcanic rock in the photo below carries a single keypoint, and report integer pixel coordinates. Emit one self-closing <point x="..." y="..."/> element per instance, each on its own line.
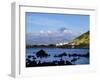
<point x="61" y="55"/>
<point x="68" y="63"/>
<point x="41" y="54"/>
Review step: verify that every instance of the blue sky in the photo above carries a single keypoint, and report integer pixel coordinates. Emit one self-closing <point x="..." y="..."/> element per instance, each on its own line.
<point x="46" y="25"/>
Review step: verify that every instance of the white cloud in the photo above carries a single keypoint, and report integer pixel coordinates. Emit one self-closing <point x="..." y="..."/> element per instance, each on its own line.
<point x="49" y="32"/>
<point x="59" y="32"/>
<point x="44" y="37"/>
<point x="67" y="31"/>
<point x="42" y="32"/>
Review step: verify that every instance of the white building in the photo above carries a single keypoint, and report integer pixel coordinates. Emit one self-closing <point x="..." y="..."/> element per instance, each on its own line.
<point x="60" y="44"/>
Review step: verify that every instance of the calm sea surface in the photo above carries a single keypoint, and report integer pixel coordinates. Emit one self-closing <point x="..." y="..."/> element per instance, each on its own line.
<point x="53" y="51"/>
<point x="56" y="51"/>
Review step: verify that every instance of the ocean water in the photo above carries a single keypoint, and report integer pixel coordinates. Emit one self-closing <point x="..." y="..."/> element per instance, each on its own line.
<point x="56" y="51"/>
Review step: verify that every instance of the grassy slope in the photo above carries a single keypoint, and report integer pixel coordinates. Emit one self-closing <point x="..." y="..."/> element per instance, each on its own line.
<point x="82" y="39"/>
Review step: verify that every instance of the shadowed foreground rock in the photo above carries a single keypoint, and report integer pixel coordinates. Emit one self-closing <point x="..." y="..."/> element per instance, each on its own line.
<point x="41" y="54"/>
<point x="54" y="63"/>
<point x="61" y="55"/>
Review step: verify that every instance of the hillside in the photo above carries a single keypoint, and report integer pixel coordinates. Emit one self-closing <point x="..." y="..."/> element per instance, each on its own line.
<point x="81" y="40"/>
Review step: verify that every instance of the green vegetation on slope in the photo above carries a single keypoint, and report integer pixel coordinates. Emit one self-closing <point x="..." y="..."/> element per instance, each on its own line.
<point x="81" y="40"/>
